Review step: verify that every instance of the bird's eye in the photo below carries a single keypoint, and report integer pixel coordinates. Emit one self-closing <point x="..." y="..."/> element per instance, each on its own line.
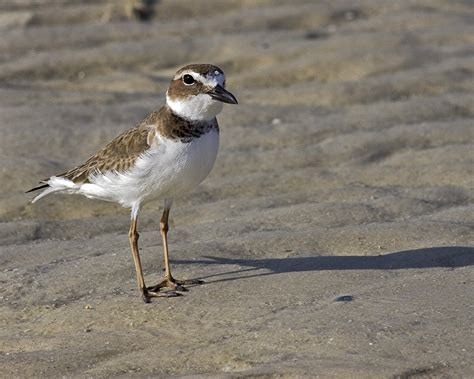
<point x="188" y="79"/>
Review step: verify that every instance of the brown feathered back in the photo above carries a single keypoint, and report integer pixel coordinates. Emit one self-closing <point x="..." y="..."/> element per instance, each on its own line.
<point x="118" y="155"/>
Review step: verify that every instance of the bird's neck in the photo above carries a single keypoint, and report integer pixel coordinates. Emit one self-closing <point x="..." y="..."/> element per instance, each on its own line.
<point x="197" y="108"/>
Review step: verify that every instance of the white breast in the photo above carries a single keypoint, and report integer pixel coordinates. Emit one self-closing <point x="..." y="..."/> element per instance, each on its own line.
<point x="169" y="169"/>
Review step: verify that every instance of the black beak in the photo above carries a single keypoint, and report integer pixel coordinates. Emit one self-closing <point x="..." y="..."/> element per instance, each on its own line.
<point x="219" y="93"/>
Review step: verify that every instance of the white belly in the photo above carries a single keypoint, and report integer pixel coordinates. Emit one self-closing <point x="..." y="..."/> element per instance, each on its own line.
<point x="169" y="169"/>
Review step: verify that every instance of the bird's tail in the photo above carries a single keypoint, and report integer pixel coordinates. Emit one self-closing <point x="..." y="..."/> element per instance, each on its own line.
<point x="37" y="188"/>
<point x="52" y="185"/>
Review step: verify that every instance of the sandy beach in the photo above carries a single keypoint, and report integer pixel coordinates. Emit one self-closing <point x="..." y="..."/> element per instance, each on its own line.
<point x="335" y="234"/>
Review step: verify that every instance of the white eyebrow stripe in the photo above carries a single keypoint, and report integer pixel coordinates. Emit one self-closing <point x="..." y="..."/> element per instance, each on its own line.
<point x="208" y="82"/>
<point x="211" y="81"/>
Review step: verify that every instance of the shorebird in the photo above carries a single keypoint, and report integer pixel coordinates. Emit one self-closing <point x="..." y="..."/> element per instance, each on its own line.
<point x="169" y="153"/>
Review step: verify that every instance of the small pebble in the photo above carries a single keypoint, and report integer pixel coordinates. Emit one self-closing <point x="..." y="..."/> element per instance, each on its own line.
<point x="344" y="298"/>
<point x="276" y="121"/>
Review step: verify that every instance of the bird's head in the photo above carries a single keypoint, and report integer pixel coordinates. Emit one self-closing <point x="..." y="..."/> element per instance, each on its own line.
<point x="197" y="92"/>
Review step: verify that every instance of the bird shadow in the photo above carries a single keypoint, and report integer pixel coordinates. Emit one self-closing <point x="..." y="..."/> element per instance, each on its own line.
<point x="431" y="257"/>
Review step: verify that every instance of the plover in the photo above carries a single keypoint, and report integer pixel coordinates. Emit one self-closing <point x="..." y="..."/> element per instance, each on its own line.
<point x="169" y="153"/>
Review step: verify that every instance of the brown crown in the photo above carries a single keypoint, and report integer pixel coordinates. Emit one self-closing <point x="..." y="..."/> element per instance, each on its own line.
<point x="178" y="89"/>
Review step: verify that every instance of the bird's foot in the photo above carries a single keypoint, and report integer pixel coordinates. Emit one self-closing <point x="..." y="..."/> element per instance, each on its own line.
<point x="174" y="284"/>
<point x="147" y="294"/>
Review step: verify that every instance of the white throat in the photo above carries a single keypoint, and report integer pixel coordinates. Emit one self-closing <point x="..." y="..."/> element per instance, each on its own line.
<point x="200" y="107"/>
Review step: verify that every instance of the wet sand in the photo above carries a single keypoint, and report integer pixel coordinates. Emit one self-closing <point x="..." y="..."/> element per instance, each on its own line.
<point x="335" y="233"/>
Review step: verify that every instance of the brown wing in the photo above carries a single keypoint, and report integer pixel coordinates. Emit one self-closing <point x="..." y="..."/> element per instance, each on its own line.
<point x="118" y="155"/>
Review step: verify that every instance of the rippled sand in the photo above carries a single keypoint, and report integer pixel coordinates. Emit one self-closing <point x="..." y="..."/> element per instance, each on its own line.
<point x="347" y="169"/>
